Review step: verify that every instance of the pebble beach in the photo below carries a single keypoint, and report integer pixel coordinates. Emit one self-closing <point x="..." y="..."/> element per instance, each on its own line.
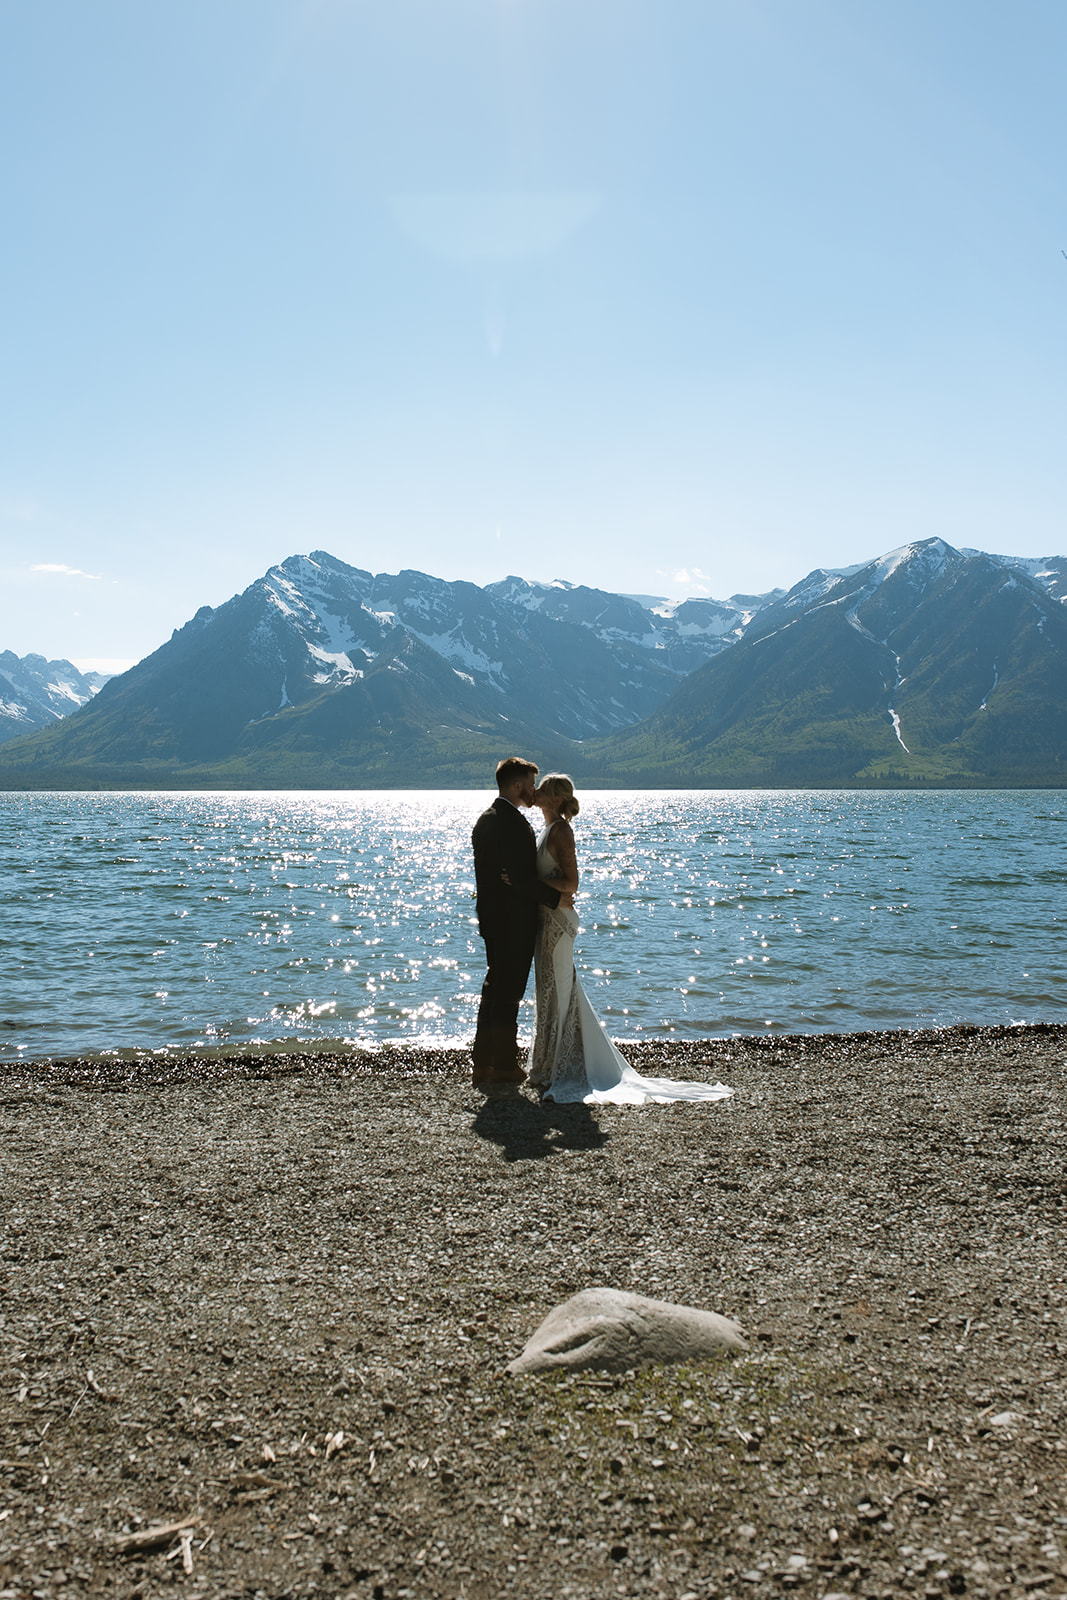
<point x="256" y="1314"/>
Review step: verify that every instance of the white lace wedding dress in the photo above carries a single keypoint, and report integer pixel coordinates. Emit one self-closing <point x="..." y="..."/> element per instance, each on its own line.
<point x="572" y="1057"/>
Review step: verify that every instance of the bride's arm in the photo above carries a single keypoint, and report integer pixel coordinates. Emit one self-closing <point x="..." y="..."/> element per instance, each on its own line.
<point x="563" y="850"/>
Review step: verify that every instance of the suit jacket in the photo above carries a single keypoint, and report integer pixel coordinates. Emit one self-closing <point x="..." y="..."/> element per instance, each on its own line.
<point x="504" y="842"/>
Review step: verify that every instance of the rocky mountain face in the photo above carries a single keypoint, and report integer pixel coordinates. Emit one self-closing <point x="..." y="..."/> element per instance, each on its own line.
<point x="34" y="692"/>
<point x="326" y="673"/>
<point x="929" y="664"/>
<point x="682" y="633"/>
<point x="1050" y="571"/>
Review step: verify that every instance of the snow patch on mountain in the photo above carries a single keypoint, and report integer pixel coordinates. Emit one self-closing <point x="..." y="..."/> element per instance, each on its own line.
<point x="340" y="666"/>
<point x="929" y="558"/>
<point x="996" y="679"/>
<point x="13" y="708"/>
<point x="896" y="729"/>
<point x="275" y="593"/>
<point x="60" y="691"/>
<point x="455" y="648"/>
<point x="1049" y="571"/>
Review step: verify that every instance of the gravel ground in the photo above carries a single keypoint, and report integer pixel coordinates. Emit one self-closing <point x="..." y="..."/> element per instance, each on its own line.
<point x="274" y="1299"/>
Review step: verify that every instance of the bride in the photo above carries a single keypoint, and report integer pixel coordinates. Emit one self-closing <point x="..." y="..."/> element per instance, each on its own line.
<point x="572" y="1057"/>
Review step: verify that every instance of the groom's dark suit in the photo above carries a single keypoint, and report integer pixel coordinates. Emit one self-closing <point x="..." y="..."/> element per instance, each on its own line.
<point x="507" y="920"/>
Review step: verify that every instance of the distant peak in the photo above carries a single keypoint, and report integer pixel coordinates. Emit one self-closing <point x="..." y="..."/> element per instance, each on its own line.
<point x="318" y="561"/>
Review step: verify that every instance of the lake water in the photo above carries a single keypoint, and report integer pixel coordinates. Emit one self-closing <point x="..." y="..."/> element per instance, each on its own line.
<point x="254" y="921"/>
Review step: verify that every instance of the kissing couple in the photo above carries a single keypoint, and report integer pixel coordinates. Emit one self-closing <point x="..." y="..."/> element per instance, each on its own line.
<point x="525" y="900"/>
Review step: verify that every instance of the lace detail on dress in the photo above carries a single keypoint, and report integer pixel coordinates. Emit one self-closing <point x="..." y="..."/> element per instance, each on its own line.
<point x="548" y="1023"/>
<point x="569" y="1080"/>
<point x="557" y="1060"/>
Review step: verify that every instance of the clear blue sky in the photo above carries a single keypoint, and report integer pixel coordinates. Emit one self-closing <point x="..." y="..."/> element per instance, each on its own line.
<point x="659" y="295"/>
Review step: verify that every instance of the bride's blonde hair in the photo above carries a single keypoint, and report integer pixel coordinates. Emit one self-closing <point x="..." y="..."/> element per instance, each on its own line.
<point x="560" y="787"/>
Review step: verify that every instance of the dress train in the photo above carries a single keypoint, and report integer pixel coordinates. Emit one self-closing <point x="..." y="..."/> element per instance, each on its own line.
<point x="572" y="1059"/>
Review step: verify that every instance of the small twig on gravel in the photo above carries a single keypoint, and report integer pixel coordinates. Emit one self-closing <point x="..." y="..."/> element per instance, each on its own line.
<point x="183" y="1548"/>
<point x="150" y="1538"/>
<point x="186" y="1540"/>
<point x="91" y="1383"/>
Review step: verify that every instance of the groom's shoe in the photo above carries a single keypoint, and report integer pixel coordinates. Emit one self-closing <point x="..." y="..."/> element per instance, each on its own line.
<point x="507" y="1078"/>
<point x="499" y="1078"/>
<point x="495" y="1059"/>
<point x="481" y="1063"/>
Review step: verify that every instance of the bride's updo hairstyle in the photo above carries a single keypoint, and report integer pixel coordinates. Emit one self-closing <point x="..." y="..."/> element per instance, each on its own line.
<point x="560" y="787"/>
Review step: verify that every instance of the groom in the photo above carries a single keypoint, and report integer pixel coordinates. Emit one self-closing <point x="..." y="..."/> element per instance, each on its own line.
<point x="509" y="892"/>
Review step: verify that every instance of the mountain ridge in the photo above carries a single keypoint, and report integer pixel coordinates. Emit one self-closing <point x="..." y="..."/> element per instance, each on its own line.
<point x="926" y="665"/>
<point x="35" y="692"/>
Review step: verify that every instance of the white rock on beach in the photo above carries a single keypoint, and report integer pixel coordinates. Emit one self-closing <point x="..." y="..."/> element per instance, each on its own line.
<point x="612" y="1330"/>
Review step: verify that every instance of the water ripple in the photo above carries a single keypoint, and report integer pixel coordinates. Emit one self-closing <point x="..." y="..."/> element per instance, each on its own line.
<point x="323" y="920"/>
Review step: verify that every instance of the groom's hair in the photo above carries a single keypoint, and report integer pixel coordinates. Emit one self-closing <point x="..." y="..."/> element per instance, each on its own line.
<point x="512" y="768"/>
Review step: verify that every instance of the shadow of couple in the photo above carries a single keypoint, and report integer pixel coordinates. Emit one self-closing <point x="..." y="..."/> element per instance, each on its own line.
<point x="529" y="1130"/>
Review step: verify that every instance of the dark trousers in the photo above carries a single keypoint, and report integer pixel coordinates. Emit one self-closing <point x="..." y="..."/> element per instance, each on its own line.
<point x="508" y="956"/>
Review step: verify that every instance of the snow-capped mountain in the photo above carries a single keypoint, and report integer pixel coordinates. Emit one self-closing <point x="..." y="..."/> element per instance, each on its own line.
<point x="925" y="664"/>
<point x="317" y="650"/>
<point x="35" y="693"/>
<point x="684" y="633"/>
<point x="924" y="561"/>
<point x="623" y="657"/>
<point x="928" y="663"/>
